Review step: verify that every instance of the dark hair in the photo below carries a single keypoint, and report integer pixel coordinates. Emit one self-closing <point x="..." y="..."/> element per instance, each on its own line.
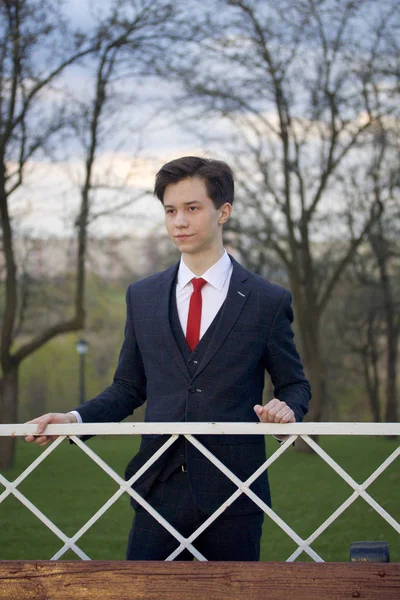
<point x="217" y="176"/>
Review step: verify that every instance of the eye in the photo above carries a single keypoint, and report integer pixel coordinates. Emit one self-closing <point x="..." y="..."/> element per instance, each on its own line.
<point x="169" y="211"/>
<point x="193" y="208"/>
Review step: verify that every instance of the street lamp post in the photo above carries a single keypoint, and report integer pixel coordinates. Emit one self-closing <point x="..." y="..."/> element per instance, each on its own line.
<point x="82" y="348"/>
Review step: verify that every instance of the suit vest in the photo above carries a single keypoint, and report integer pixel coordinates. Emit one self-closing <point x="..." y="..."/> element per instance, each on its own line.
<point x="192" y="359"/>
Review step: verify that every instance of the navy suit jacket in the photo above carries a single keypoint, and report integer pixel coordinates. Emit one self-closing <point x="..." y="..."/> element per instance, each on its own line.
<point x="253" y="334"/>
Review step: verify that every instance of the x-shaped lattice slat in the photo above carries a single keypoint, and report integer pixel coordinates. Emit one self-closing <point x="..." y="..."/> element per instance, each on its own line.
<point x="69" y="543"/>
<point x="185" y="543"/>
<point x="359" y="492"/>
<point x="243" y="487"/>
<point x="11" y="488"/>
<point x="125" y="486"/>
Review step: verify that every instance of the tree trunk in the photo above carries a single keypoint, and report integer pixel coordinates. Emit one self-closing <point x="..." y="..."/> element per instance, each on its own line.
<point x="309" y="329"/>
<point x="391" y="376"/>
<point x="372" y="384"/>
<point x="314" y="369"/>
<point x="371" y="361"/>
<point x="9" y="414"/>
<point x="380" y="246"/>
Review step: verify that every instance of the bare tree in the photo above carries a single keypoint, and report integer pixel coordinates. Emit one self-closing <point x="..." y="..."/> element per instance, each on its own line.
<point x="383" y="250"/>
<point x="386" y="252"/>
<point x="391" y="307"/>
<point x="359" y="325"/>
<point x="298" y="86"/>
<point x="27" y="28"/>
<point x="384" y="236"/>
<point x="130" y="35"/>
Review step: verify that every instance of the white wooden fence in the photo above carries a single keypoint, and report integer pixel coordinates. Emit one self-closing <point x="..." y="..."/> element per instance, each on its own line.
<point x="190" y="430"/>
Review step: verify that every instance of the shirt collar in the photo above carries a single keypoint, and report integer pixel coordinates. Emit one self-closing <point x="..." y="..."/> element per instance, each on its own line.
<point x="215" y="275"/>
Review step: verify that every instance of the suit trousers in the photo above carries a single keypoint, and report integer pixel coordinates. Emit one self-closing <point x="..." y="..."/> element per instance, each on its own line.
<point x="228" y="538"/>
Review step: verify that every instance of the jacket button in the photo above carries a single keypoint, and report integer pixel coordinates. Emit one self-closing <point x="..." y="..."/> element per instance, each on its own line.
<point x="192" y="390"/>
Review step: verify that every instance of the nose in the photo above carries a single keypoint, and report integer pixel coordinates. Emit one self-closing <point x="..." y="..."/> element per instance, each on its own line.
<point x="181" y="220"/>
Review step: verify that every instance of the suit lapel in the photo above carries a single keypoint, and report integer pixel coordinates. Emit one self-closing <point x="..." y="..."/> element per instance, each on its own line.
<point x="164" y="295"/>
<point x="236" y="298"/>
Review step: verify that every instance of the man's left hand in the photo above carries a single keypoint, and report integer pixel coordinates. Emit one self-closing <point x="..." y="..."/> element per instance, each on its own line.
<point x="275" y="411"/>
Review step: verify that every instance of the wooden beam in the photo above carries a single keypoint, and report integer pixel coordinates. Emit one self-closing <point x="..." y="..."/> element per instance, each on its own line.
<point x="98" y="580"/>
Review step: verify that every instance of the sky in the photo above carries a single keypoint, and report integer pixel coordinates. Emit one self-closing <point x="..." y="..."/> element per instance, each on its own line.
<point x="136" y="140"/>
<point x="47" y="202"/>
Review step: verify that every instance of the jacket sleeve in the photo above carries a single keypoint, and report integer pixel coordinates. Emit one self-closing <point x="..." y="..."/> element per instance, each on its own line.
<point x="283" y="363"/>
<point x="128" y="389"/>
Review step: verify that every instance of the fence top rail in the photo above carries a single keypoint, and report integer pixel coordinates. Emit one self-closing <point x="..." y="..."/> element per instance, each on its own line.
<point x="386" y="429"/>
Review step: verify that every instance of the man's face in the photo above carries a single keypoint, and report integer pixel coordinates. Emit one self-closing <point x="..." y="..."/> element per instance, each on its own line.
<point x="193" y="223"/>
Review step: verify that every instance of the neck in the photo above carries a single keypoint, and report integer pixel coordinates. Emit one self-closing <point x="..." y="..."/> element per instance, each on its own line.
<point x="200" y="263"/>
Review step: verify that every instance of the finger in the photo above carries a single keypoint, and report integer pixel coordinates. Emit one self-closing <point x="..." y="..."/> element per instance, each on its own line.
<point x="284" y="415"/>
<point x="292" y="418"/>
<point x="258" y="409"/>
<point x="269" y="416"/>
<point x="41" y="440"/>
<point x="30" y="437"/>
<point x="272" y="404"/>
<point x="288" y="418"/>
<point x="43" y="422"/>
<point x="272" y="412"/>
<point x="272" y="408"/>
<point x="44" y="443"/>
<point x="260" y="412"/>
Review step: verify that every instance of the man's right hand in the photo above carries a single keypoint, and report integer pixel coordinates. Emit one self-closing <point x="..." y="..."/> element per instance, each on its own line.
<point x="48" y="419"/>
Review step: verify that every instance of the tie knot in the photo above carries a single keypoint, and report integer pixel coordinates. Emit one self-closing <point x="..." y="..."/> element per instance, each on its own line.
<point x="198" y="284"/>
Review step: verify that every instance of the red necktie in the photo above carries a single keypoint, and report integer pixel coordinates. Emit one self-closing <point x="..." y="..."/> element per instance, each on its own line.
<point x="194" y="316"/>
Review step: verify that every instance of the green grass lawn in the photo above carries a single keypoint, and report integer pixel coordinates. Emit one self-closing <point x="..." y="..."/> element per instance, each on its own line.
<point x="68" y="487"/>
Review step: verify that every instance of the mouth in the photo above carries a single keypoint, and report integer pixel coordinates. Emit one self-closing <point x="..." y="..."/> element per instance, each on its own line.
<point x="182" y="237"/>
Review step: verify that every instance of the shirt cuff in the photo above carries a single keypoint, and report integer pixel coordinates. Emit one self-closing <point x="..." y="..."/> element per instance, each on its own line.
<point x="77" y="415"/>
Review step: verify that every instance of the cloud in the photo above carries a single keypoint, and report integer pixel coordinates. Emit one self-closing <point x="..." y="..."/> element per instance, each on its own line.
<point x="48" y="201"/>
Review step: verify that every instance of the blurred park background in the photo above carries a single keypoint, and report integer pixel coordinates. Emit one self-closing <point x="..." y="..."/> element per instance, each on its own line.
<point x="300" y="97"/>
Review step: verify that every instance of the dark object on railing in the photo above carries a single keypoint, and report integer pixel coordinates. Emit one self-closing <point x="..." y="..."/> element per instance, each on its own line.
<point x="369" y="552"/>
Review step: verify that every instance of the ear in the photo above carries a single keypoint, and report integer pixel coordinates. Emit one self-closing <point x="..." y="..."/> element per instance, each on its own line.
<point x="225" y="212"/>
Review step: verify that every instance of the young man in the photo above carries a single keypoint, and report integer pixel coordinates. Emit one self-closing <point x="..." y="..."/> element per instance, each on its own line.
<point x="198" y="339"/>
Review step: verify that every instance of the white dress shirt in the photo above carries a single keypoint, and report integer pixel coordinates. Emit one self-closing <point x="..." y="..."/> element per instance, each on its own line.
<point x="213" y="293"/>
